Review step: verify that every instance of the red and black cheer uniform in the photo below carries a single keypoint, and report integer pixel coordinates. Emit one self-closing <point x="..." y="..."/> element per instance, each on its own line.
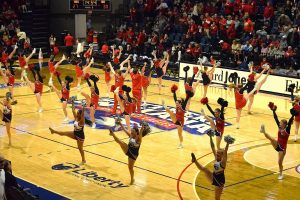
<point x="220" y="121"/>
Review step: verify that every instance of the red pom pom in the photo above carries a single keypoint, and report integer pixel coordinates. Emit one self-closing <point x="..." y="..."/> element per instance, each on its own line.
<point x="86" y="76"/>
<point x="271" y="105"/>
<point x="112" y="88"/>
<point x="31" y="66"/>
<point x="204" y="101"/>
<point x="174" y="88"/>
<point x="195" y="69"/>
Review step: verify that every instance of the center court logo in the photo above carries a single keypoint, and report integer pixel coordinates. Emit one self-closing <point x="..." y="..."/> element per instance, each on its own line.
<point x="154" y="114"/>
<point x="92" y="176"/>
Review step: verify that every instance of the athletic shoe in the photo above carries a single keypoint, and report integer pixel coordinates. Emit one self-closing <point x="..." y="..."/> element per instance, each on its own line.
<point x="296" y="138"/>
<point x="82" y="163"/>
<point x="280" y="177"/>
<point x="237" y="126"/>
<point x="163" y="103"/>
<point x="180" y="146"/>
<point x="40" y="110"/>
<point x="66" y="119"/>
<point x="262" y="128"/>
<point x="94" y="125"/>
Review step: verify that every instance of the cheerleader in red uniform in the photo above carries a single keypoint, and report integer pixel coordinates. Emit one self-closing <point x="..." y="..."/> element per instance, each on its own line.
<point x="178" y="117"/>
<point x="88" y="54"/>
<point x="9" y="78"/>
<point x="207" y="75"/>
<point x="116" y="55"/>
<point x="107" y="78"/>
<point x="136" y="78"/>
<point x="119" y="81"/>
<point x="252" y="79"/>
<point x="37" y="86"/>
<point x="127" y="104"/>
<point x="160" y="66"/>
<point x="93" y="100"/>
<point x="146" y="80"/>
<point x="24" y="61"/>
<point x="7" y="115"/>
<point x="6" y="58"/>
<point x="241" y="98"/>
<point x="82" y="69"/>
<point x="219" y="116"/>
<point x="296" y="106"/>
<point x="53" y="68"/>
<point x="284" y="129"/>
<point x="63" y="94"/>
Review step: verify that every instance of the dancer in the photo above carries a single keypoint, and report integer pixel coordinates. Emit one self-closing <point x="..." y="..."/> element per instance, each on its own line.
<point x="78" y="133"/>
<point x="93" y="100"/>
<point x="252" y="79"/>
<point x="9" y="78"/>
<point x="146" y="80"/>
<point x="82" y="69"/>
<point x="63" y="94"/>
<point x="241" y="98"/>
<point x="178" y="117"/>
<point x="107" y="78"/>
<point x="119" y="80"/>
<point x="116" y="56"/>
<point x="284" y="128"/>
<point x="136" y="87"/>
<point x="207" y="76"/>
<point x="217" y="177"/>
<point x="132" y="148"/>
<point x="7" y="115"/>
<point x="53" y="68"/>
<point x="127" y="104"/>
<point x="6" y="59"/>
<point x="37" y="86"/>
<point x="219" y="118"/>
<point x="24" y="61"/>
<point x="296" y="106"/>
<point x="160" y="66"/>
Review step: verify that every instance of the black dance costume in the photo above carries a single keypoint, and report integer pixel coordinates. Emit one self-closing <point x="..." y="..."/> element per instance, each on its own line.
<point x="218" y="174"/>
<point x="205" y="79"/>
<point x="7" y="114"/>
<point x="133" y="149"/>
<point x="78" y="131"/>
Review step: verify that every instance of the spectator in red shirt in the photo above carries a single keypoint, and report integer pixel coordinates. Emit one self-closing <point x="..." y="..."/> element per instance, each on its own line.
<point x="268" y="11"/>
<point x="69" y="40"/>
<point x="104" y="51"/>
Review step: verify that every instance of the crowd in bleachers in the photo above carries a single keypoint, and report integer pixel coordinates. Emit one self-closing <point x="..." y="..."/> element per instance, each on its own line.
<point x="233" y="31"/>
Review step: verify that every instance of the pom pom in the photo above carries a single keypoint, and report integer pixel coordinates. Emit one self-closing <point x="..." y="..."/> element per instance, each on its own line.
<point x="69" y="79"/>
<point x="190" y="93"/>
<point x="220" y="101"/>
<point x="228" y="139"/>
<point x="291" y="87"/>
<point x="210" y="132"/>
<point x="174" y="88"/>
<point x="86" y="76"/>
<point x="204" y="101"/>
<point x="294" y="112"/>
<point x="112" y="88"/>
<point x="94" y="78"/>
<point x="126" y="89"/>
<point x="186" y="68"/>
<point x="143" y="123"/>
<point x="195" y="69"/>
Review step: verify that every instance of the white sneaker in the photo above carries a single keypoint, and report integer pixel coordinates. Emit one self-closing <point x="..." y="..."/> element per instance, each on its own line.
<point x="296" y="138"/>
<point x="144" y="105"/>
<point x="40" y="110"/>
<point x="163" y="103"/>
<point x="94" y="125"/>
<point x="82" y="163"/>
<point x="262" y="128"/>
<point x="237" y="126"/>
<point x="66" y="119"/>
<point x="50" y="83"/>
<point x="202" y="112"/>
<point x="280" y="177"/>
<point x="180" y="146"/>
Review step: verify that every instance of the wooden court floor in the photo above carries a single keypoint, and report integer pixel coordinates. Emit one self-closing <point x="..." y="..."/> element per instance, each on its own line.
<point x="162" y="171"/>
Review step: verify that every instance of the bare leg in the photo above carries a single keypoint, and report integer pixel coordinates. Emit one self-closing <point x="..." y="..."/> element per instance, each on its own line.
<point x="145" y="93"/>
<point x="218" y="192"/>
<point x="64" y="107"/>
<point x="87" y="97"/>
<point x="281" y="155"/>
<point x="179" y="129"/>
<point x="92" y="114"/>
<point x="7" y="125"/>
<point x="108" y="88"/>
<point x="251" y="99"/>
<point x="69" y="134"/>
<point x="238" y="117"/>
<point x="211" y="122"/>
<point x="272" y="140"/>
<point x="218" y="141"/>
<point x="58" y="92"/>
<point x="296" y="130"/>
<point x="127" y="120"/>
<point x="131" y="171"/>
<point x="205" y="90"/>
<point x="31" y="85"/>
<point x="172" y="115"/>
<point x="80" y="148"/>
<point x="39" y="100"/>
<point x="206" y="171"/>
<point x="159" y="84"/>
<point x="11" y="90"/>
<point x="122" y="144"/>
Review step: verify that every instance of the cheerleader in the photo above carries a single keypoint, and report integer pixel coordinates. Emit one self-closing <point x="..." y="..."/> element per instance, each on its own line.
<point x="24" y="61"/>
<point x="146" y="81"/>
<point x="207" y="76"/>
<point x="53" y="68"/>
<point x="252" y="79"/>
<point x="7" y="115"/>
<point x="178" y="117"/>
<point x="119" y="81"/>
<point x="78" y="133"/>
<point x="127" y="104"/>
<point x="93" y="100"/>
<point x="217" y="177"/>
<point x="9" y="78"/>
<point x="284" y="128"/>
<point x="37" y="86"/>
<point x="296" y="106"/>
<point x="132" y="148"/>
<point x="6" y="59"/>
<point x="116" y="55"/>
<point x="82" y="69"/>
<point x="160" y="66"/>
<point x="136" y="78"/>
<point x="63" y="94"/>
<point x="107" y="78"/>
<point x="241" y="98"/>
<point x="219" y="118"/>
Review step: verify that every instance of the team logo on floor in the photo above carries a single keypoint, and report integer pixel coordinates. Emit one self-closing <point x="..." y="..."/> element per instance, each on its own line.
<point x="154" y="114"/>
<point x="3" y="86"/>
<point x="87" y="175"/>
